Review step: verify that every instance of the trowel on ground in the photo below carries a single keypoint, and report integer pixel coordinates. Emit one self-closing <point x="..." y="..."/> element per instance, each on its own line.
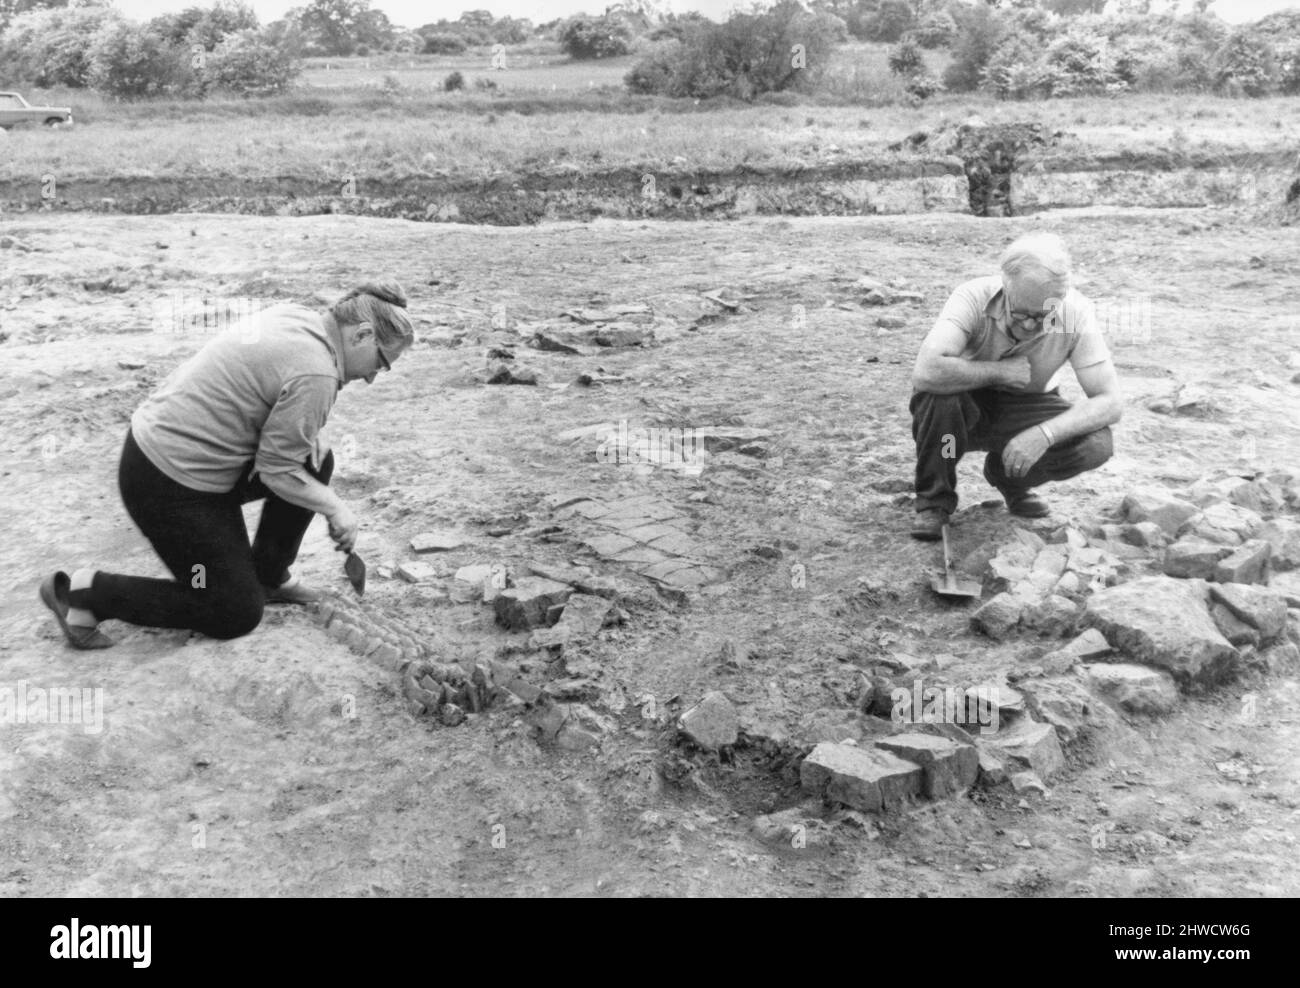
<point x="950" y="584"/>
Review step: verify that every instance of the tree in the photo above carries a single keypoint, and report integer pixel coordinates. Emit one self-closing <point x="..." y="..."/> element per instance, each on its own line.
<point x="223" y="18"/>
<point x="333" y="26"/>
<point x="9" y="9"/>
<point x="593" y="37"/>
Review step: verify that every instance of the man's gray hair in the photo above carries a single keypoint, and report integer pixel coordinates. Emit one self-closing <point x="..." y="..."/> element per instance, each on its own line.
<point x="383" y="305"/>
<point x="1041" y="256"/>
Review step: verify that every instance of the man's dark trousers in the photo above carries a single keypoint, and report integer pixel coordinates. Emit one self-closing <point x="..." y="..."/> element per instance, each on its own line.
<point x="946" y="427"/>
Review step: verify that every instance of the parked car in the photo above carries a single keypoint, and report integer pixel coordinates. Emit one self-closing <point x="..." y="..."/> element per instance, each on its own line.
<point x="14" y="110"/>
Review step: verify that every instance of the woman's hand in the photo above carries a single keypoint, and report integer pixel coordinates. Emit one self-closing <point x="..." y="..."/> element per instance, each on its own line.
<point x="343" y="528"/>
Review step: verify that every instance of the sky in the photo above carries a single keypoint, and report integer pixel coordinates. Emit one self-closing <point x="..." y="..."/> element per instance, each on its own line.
<point x="413" y="13"/>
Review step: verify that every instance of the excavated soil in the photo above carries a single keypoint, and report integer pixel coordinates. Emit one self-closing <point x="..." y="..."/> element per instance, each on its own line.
<point x="282" y="763"/>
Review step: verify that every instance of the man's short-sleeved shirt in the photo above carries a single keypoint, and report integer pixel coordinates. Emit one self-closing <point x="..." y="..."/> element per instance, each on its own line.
<point x="978" y="308"/>
<point x="259" y="391"/>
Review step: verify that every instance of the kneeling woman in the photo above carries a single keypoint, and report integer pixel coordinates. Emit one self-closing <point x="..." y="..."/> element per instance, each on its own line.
<point x="240" y="421"/>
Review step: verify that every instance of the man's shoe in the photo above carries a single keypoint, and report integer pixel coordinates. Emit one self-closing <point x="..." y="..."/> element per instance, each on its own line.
<point x="929" y="523"/>
<point x="54" y="595"/>
<point x="1026" y="504"/>
<point x="293" y="592"/>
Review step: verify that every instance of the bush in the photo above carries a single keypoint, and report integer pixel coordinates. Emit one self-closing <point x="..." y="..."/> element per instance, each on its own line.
<point x="1079" y="64"/>
<point x="408" y="43"/>
<point x="585" y="38"/>
<point x="453" y="82"/>
<point x="980" y="32"/>
<point x="50" y="47"/>
<point x="444" y="44"/>
<point x="935" y="31"/>
<point x="905" y="58"/>
<point x="1015" y="70"/>
<point x="1288" y="68"/>
<point x="131" y="61"/>
<point x="923" y="86"/>
<point x="245" y="64"/>
<point x="749" y="55"/>
<point x="1245" y="64"/>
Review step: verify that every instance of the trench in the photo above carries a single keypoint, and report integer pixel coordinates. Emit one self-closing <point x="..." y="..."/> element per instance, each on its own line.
<point x="990" y="171"/>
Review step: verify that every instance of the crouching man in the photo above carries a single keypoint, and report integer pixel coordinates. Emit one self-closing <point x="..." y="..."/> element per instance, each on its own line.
<point x="240" y="421"/>
<point x="987" y="378"/>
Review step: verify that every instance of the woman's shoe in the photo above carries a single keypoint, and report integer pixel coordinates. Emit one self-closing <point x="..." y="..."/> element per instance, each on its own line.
<point x="54" y="595"/>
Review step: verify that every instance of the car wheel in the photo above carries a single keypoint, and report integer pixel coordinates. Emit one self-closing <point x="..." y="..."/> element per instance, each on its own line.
<point x="54" y="123"/>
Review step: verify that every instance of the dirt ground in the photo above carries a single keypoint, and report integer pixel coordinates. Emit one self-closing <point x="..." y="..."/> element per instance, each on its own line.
<point x="282" y="764"/>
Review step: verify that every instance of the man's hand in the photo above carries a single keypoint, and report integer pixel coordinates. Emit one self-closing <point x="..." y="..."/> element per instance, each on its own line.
<point x="1016" y="373"/>
<point x="1024" y="450"/>
<point x="343" y="528"/>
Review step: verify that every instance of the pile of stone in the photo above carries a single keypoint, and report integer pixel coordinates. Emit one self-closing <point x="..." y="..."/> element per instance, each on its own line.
<point x="1175" y="592"/>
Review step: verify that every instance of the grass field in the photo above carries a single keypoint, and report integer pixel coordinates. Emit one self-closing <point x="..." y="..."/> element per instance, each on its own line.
<point x="552" y="115"/>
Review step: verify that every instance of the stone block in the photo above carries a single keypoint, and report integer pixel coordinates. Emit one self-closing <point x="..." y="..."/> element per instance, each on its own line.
<point x="862" y="778"/>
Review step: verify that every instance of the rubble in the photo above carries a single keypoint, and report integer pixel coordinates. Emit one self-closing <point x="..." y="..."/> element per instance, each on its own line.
<point x="1249" y="564"/>
<point x="948" y="766"/>
<point x="862" y="778"/>
<point x="1027" y="744"/>
<point x="1261" y="609"/>
<point x="416" y="572"/>
<point x="436" y="542"/>
<point x="1158" y="507"/>
<point x="1163" y="622"/>
<point x="712" y="723"/>
<point x="1135" y="688"/>
<point x="1193" y="559"/>
<point x="999" y="616"/>
<point x="530" y="603"/>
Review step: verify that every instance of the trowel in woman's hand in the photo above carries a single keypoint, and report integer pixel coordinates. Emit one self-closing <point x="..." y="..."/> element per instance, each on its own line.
<point x="355" y="567"/>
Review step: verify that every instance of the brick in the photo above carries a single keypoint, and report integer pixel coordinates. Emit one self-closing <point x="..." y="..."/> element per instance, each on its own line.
<point x="436" y="542"/>
<point x="1029" y="745"/>
<point x="648" y="533"/>
<point x="584" y="615"/>
<point x="948" y="766"/>
<point x="712" y="723"/>
<point x="1164" y="622"/>
<point x="1135" y="688"/>
<point x="451" y="714"/>
<point x="1260" y="608"/>
<point x="1193" y="559"/>
<point x="686" y="578"/>
<point x="661" y="571"/>
<point x="999" y="616"/>
<point x="641" y="554"/>
<point x="609" y="545"/>
<point x="416" y="572"/>
<point x="386" y="656"/>
<point x="528" y="604"/>
<point x="1157" y="507"/>
<point x="1249" y="564"/>
<point x="863" y="778"/>
<point x="676" y="544"/>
